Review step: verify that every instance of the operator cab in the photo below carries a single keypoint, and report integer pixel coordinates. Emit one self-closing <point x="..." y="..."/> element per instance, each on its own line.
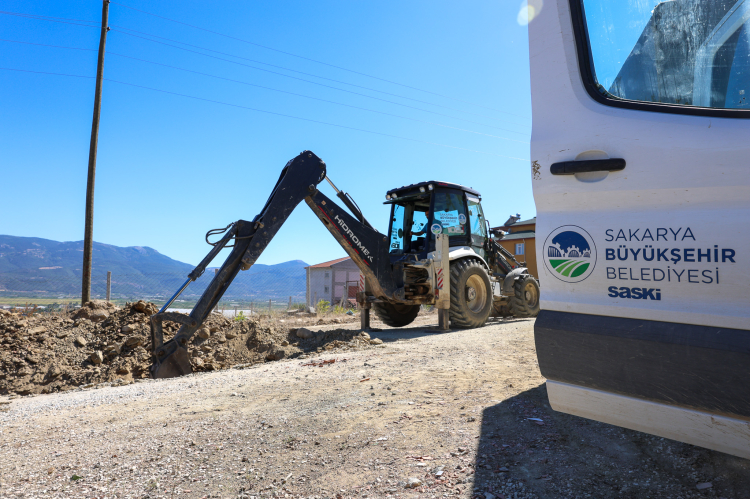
<point x="420" y="211"/>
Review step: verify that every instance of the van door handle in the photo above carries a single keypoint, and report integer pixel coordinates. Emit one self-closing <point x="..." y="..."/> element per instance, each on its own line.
<point x="591" y="165"/>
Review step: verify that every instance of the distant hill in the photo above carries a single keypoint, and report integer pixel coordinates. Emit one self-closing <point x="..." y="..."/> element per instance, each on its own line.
<point x="36" y="267"/>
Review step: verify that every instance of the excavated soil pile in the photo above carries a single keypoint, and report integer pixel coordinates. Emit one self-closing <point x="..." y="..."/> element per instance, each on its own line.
<point x="101" y="343"/>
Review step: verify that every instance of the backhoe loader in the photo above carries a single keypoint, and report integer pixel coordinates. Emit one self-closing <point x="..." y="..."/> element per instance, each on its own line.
<point x="436" y="230"/>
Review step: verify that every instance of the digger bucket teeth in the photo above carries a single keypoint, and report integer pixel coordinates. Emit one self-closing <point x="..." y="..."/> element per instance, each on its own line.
<point x="171" y="358"/>
<point x="172" y="365"/>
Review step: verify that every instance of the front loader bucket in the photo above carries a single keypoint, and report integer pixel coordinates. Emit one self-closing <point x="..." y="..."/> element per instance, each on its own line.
<point x="172" y="365"/>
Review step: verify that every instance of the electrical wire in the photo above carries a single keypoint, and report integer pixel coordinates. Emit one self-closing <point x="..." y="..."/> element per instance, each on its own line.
<point x="315" y="98"/>
<point x="313" y="60"/>
<point x="321" y="84"/>
<point x="61" y="20"/>
<point x="47" y="45"/>
<point x="239" y="106"/>
<point x="124" y="30"/>
<point x="269" y="88"/>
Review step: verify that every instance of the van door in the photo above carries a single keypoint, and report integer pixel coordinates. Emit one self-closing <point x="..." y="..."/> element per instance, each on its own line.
<point x="640" y="168"/>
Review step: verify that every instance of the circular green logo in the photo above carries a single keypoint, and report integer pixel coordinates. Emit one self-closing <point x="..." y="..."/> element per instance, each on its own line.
<point x="570" y="253"/>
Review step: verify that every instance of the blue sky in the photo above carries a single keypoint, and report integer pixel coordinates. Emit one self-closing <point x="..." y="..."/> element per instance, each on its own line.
<point x="170" y="168"/>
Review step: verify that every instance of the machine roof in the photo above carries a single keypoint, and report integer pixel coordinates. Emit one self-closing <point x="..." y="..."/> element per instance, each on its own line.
<point x="435" y="183"/>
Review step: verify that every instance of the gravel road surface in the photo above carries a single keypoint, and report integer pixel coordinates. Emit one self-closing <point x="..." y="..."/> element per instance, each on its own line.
<point x="426" y="414"/>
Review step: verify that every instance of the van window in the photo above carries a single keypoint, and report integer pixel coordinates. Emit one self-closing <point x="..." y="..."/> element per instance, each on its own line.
<point x="684" y="52"/>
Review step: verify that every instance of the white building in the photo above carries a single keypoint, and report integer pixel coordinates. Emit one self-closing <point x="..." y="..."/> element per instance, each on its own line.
<point x="330" y="281"/>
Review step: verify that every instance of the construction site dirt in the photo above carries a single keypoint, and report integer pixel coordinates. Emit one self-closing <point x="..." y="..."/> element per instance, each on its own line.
<point x="410" y="412"/>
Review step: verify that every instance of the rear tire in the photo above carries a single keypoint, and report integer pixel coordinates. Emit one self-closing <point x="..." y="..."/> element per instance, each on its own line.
<point x="525" y="299"/>
<point x="396" y="315"/>
<point x="471" y="293"/>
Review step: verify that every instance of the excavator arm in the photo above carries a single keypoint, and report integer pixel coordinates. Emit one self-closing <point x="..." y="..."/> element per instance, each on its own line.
<point x="298" y="181"/>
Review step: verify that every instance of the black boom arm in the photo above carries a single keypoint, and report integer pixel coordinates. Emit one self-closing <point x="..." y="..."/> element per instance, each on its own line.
<point x="298" y="180"/>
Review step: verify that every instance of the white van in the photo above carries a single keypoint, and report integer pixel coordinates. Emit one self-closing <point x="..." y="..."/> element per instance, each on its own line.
<point x="640" y="157"/>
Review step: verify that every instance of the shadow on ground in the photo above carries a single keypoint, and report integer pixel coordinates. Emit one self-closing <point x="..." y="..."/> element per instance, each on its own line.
<point x="407" y="333"/>
<point x="527" y="450"/>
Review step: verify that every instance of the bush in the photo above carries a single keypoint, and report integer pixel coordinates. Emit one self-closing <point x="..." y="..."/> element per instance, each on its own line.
<point x="323" y="307"/>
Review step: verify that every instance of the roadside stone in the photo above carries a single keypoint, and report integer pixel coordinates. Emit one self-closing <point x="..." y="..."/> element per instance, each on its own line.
<point x="204" y="333"/>
<point x="376" y="341"/>
<point x="128" y="328"/>
<point x="37" y="330"/>
<point x="230" y="335"/>
<point x="704" y="485"/>
<point x="97" y="357"/>
<point x="413" y="483"/>
<point x="285" y="343"/>
<point x="123" y="370"/>
<point x="114" y="348"/>
<point x="305" y="333"/>
<point x="80" y="341"/>
<point x="365" y="335"/>
<point x="98" y="316"/>
<point x="144" y="307"/>
<point x="133" y="341"/>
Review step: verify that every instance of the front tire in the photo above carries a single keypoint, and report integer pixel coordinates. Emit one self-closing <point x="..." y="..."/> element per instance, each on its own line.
<point x="471" y="294"/>
<point x="525" y="299"/>
<point x="396" y="315"/>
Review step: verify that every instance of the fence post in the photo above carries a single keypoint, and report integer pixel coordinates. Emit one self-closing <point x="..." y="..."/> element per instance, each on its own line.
<point x="290" y="303"/>
<point x="269" y="306"/>
<point x="109" y="284"/>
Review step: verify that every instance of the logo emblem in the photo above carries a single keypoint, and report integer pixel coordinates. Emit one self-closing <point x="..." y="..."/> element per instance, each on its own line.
<point x="436" y="229"/>
<point x="461" y="218"/>
<point x="570" y="253"/>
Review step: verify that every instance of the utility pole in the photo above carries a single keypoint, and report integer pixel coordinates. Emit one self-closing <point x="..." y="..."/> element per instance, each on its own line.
<point x="88" y="237"/>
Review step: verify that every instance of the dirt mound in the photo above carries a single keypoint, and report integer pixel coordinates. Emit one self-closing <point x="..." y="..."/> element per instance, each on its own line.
<point x="102" y="343"/>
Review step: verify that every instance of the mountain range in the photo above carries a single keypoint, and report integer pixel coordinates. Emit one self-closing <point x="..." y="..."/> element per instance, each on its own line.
<point x="36" y="267"/>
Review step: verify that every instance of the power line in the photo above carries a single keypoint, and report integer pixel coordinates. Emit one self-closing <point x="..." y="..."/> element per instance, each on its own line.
<point x="47" y="45"/>
<point x="313" y="60"/>
<point x="268" y="112"/>
<point x="269" y="88"/>
<point x="319" y="84"/>
<point x="124" y="30"/>
<point x="314" y="98"/>
<point x="61" y="20"/>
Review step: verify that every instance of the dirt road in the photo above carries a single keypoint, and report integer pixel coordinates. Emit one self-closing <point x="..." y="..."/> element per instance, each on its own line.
<point x="426" y="414"/>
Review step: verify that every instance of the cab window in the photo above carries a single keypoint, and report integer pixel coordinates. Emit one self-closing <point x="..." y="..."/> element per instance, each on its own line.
<point x="449" y="215"/>
<point x="419" y="228"/>
<point x="476" y="217"/>
<point x="679" y="52"/>
<point x="397" y="229"/>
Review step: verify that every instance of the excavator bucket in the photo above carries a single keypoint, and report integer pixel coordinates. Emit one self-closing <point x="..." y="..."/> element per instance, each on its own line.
<point x="173" y="365"/>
